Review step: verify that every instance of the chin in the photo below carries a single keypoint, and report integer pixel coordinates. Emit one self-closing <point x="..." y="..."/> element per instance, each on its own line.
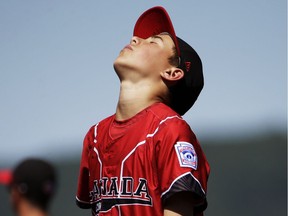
<point x="120" y="64"/>
<point x="117" y="70"/>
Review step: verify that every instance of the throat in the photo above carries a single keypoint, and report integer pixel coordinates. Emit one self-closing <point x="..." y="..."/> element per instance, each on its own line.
<point x="133" y="99"/>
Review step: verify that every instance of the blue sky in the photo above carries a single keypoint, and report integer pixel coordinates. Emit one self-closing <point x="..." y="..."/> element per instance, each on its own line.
<point x="57" y="77"/>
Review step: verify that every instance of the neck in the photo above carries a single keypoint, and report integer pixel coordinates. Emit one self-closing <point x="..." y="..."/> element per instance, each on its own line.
<point x="134" y="98"/>
<point x="27" y="209"/>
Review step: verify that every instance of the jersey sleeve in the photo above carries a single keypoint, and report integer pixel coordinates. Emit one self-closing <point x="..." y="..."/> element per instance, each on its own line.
<point x="82" y="196"/>
<point x="181" y="164"/>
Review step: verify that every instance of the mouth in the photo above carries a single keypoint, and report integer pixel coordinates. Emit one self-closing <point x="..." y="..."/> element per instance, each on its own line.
<point x="128" y="47"/>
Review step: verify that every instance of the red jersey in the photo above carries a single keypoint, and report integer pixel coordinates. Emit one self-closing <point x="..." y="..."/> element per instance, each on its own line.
<point x="132" y="167"/>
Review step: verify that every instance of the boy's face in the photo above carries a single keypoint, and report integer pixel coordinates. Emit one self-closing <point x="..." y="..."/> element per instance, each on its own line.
<point x="144" y="57"/>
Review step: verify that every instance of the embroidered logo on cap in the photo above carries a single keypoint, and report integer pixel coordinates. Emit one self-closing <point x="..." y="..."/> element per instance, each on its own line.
<point x="186" y="155"/>
<point x="187" y="64"/>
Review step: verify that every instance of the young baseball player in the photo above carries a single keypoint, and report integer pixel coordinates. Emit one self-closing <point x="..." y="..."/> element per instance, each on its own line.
<point x="145" y="160"/>
<point x="32" y="185"/>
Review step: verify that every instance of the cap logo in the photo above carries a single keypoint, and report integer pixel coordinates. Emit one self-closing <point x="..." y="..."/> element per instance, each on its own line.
<point x="187" y="64"/>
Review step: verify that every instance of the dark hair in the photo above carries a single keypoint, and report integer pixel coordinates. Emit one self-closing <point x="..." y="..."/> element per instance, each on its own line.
<point x="174" y="59"/>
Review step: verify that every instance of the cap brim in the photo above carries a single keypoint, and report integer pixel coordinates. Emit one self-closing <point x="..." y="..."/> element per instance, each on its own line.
<point x="155" y="21"/>
<point x="5" y="177"/>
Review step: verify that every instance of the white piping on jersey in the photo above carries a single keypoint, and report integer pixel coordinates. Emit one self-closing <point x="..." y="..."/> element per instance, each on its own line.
<point x="119" y="210"/>
<point x="81" y="201"/>
<point x="95" y="132"/>
<point x="170" y="117"/>
<point x="96" y="151"/>
<point x="176" y="179"/>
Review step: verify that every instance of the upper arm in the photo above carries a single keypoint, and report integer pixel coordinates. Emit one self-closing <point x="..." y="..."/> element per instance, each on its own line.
<point x="184" y="186"/>
<point x="82" y="196"/>
<point x="180" y="204"/>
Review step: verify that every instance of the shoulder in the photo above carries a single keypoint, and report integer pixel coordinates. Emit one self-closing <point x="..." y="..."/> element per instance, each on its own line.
<point x="166" y="115"/>
<point x="161" y="110"/>
<point x="170" y="125"/>
<point x="104" y="122"/>
<point x="93" y="130"/>
<point x="170" y="119"/>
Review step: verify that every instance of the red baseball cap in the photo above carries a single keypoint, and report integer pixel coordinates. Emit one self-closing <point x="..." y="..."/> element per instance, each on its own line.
<point x="155" y="21"/>
<point x="5" y="177"/>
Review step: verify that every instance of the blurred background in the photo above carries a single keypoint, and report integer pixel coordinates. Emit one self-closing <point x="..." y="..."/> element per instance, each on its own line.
<point x="57" y="80"/>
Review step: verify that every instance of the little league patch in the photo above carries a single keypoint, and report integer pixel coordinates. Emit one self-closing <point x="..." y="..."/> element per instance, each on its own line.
<point x="186" y="155"/>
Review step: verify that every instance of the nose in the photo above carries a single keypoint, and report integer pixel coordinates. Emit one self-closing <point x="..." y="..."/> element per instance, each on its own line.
<point x="135" y="40"/>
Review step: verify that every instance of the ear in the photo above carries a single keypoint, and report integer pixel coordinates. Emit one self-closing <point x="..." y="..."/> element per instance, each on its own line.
<point x="172" y="74"/>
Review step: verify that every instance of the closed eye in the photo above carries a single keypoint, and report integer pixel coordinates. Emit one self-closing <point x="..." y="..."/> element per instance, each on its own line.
<point x="156" y="38"/>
